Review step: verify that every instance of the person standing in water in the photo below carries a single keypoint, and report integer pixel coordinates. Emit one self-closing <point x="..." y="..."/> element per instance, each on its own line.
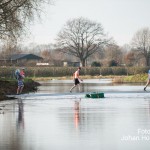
<point x="76" y="79"/>
<point x="20" y="81"/>
<point x="148" y="81"/>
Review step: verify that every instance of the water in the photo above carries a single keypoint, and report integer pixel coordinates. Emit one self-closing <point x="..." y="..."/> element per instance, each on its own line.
<point x="53" y="119"/>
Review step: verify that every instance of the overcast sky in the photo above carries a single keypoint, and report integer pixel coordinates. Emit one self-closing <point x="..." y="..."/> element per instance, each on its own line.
<point x="119" y="18"/>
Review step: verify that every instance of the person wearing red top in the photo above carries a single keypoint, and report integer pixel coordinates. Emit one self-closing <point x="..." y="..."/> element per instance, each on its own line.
<point x="20" y="81"/>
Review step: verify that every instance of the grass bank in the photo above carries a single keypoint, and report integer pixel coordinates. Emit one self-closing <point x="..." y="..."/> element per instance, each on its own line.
<point x="9" y="86"/>
<point x="138" y="78"/>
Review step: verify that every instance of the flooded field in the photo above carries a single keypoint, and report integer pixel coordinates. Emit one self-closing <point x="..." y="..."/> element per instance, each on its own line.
<point x="54" y="119"/>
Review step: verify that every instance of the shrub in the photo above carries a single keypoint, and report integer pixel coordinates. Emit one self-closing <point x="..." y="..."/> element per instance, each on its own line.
<point x="113" y="63"/>
<point x="96" y="64"/>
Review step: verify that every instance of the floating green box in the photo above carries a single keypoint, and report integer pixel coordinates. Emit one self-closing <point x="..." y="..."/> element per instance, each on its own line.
<point x="95" y="95"/>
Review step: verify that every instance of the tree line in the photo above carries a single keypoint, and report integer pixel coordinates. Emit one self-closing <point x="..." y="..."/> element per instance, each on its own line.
<point x="80" y="39"/>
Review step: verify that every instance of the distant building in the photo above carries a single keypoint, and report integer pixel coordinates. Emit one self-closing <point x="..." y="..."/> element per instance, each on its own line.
<point x="20" y="58"/>
<point x="42" y="64"/>
<point x="71" y="64"/>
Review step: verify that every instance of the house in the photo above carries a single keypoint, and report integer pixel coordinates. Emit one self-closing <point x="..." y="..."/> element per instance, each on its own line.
<point x="71" y="64"/>
<point x="21" y="58"/>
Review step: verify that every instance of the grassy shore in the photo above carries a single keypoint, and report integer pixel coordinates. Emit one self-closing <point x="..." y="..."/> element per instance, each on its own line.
<point x="138" y="78"/>
<point x="9" y="87"/>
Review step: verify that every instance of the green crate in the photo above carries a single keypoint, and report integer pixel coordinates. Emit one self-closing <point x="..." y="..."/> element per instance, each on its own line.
<point x="100" y="95"/>
<point x="87" y="95"/>
<point x="95" y="95"/>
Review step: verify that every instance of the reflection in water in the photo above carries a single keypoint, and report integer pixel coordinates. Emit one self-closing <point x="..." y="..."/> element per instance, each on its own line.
<point x="2" y="109"/>
<point x="11" y="138"/>
<point x="20" y="113"/>
<point x="77" y="113"/>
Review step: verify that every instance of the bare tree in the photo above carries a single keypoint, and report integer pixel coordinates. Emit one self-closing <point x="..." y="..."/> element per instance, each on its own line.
<point x="141" y="43"/>
<point x="46" y="54"/>
<point x="114" y="52"/>
<point x="81" y="38"/>
<point x="14" y="14"/>
<point x="130" y="59"/>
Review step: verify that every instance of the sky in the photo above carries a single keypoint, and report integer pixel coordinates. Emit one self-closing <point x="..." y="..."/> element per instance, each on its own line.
<point x="121" y="19"/>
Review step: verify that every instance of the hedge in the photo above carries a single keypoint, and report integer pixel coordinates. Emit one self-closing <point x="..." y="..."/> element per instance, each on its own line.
<point x="8" y="72"/>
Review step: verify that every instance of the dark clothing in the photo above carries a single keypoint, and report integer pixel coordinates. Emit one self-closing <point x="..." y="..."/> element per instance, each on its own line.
<point x="20" y="83"/>
<point x="76" y="81"/>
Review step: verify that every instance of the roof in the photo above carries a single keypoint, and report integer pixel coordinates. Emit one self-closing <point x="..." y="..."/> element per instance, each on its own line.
<point x="23" y="56"/>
